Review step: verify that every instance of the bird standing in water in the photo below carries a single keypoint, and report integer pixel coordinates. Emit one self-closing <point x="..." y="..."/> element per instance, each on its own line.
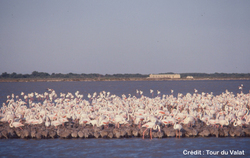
<point x="150" y="125"/>
<point x="177" y="127"/>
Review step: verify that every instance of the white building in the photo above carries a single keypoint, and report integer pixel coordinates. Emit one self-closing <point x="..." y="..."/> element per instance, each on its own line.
<point x="172" y="76"/>
<point x="190" y="77"/>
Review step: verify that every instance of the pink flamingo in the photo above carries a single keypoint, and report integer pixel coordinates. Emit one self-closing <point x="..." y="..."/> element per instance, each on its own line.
<point x="16" y="124"/>
<point x="150" y="125"/>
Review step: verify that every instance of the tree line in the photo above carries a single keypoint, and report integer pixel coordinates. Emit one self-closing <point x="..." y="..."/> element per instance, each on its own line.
<point x="36" y="74"/>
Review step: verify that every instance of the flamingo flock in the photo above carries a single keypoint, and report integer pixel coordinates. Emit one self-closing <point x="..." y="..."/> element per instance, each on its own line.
<point x="184" y="112"/>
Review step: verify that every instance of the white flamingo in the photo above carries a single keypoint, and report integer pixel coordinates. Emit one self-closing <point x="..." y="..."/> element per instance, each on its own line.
<point x="150" y="125"/>
<point x="16" y="124"/>
<point x="177" y="127"/>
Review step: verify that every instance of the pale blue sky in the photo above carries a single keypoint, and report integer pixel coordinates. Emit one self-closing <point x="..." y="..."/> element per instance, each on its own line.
<point x="115" y="36"/>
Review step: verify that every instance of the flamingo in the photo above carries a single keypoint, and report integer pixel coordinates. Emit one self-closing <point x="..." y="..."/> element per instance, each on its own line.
<point x="172" y="91"/>
<point x="118" y="119"/>
<point x="138" y="120"/>
<point x="241" y="87"/>
<point x="104" y="122"/>
<point x="224" y="122"/>
<point x="10" y="117"/>
<point x="93" y="122"/>
<point x="89" y="96"/>
<point x="150" y="125"/>
<point x="152" y="91"/>
<point x="195" y="91"/>
<point x="56" y="123"/>
<point x="165" y="121"/>
<point x="189" y="120"/>
<point x="137" y="92"/>
<point x="239" y="122"/>
<point x="16" y="124"/>
<point x="34" y="121"/>
<point x="84" y="121"/>
<point x="177" y="127"/>
<point x="47" y="123"/>
<point x="158" y="93"/>
<point x="141" y="92"/>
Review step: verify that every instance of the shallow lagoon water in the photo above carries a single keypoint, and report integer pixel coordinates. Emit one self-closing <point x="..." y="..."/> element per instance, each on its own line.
<point x="131" y="147"/>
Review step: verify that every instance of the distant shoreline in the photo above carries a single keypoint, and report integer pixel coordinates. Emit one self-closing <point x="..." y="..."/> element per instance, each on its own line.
<point x="109" y="79"/>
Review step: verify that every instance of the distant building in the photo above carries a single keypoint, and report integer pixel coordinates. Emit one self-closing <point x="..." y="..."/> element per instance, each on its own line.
<point x="190" y="77"/>
<point x="172" y="76"/>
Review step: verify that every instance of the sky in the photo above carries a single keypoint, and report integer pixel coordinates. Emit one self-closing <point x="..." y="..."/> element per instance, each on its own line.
<point x="116" y="36"/>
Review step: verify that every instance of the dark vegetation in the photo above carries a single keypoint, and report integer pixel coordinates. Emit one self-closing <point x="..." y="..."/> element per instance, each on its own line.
<point x="44" y="75"/>
<point x="36" y="74"/>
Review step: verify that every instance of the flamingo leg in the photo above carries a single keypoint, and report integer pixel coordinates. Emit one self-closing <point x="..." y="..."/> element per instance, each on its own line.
<point x="151" y="133"/>
<point x="179" y="133"/>
<point x="143" y="133"/>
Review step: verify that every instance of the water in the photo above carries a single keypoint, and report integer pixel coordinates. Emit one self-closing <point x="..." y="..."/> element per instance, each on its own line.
<point x="124" y="87"/>
<point x="132" y="147"/>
